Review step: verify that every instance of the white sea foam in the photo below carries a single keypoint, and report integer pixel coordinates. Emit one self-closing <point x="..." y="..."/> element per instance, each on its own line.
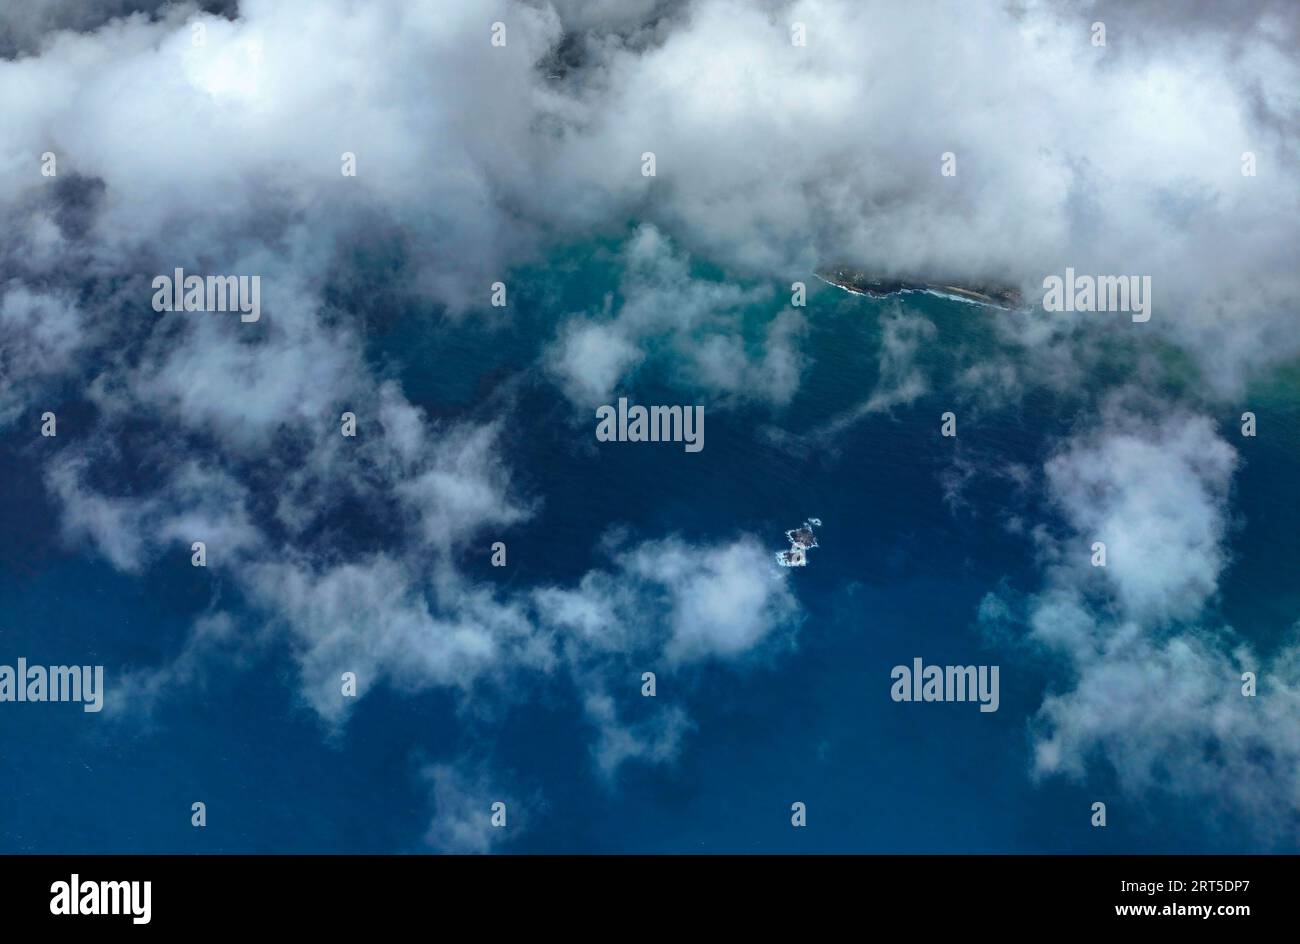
<point x="795" y="557"/>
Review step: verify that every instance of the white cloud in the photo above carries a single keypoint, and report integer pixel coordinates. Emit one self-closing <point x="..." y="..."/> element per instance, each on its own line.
<point x="683" y="601"/>
<point x="1156" y="494"/>
<point x="590" y="359"/>
<point x="464" y="489"/>
<point x="901" y="380"/>
<point x="656" y="739"/>
<point x="1153" y="686"/>
<point x="699" y="322"/>
<point x="195" y="504"/>
<point x="40" y="337"/>
<point x="379" y="619"/>
<point x="664" y="606"/>
<point x="463" y="798"/>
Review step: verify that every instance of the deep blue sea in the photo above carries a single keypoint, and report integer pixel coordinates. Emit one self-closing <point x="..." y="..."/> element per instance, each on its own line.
<point x="899" y="573"/>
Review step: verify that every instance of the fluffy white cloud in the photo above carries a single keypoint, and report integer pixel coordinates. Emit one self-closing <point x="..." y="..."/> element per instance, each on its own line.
<point x="463" y="798"/>
<point x="1155" y="493"/>
<point x="1154" y="680"/>
<point x="901" y="380"/>
<point x="664" y="606"/>
<point x="194" y="504"/>
<point x="683" y="601"/>
<point x="590" y="359"/>
<point x="380" y="619"/>
<point x="656" y="739"/>
<point x="699" y="321"/>
<point x="40" y="336"/>
<point x="1168" y="714"/>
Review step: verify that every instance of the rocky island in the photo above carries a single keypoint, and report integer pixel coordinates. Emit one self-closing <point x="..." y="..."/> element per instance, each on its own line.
<point x="860" y="282"/>
<point x="801" y="539"/>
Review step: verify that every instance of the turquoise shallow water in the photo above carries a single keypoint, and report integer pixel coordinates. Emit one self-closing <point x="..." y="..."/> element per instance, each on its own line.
<point x="898" y="573"/>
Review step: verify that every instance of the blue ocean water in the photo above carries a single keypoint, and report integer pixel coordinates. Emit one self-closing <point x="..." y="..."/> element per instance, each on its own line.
<point x="899" y="573"/>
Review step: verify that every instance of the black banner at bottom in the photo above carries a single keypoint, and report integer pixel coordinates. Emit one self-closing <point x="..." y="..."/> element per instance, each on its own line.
<point x="341" y="893"/>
